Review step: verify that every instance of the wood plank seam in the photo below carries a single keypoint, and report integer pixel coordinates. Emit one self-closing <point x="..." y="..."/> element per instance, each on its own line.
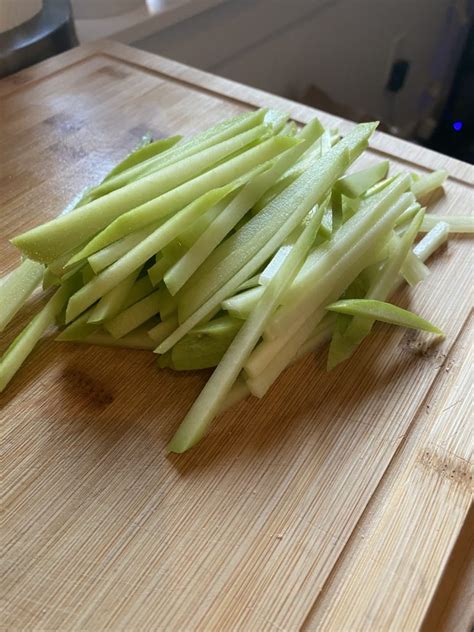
<point x="392" y="465"/>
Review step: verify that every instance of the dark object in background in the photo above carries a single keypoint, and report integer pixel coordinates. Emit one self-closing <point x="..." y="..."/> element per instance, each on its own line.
<point x="454" y="134"/>
<point x="317" y="98"/>
<point x="48" y="33"/>
<point x="398" y="74"/>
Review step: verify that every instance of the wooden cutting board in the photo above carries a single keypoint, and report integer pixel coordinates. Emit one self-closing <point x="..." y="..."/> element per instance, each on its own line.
<point x="339" y="502"/>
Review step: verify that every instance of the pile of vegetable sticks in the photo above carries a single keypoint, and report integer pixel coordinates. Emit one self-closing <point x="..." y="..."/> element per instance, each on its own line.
<point x="243" y="248"/>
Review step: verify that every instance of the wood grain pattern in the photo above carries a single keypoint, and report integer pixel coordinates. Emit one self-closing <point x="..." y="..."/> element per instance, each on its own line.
<point x="335" y="503"/>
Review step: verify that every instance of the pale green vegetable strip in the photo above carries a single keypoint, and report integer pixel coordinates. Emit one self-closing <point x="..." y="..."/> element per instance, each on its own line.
<point x="456" y="223"/>
<point x="49" y="279"/>
<point x="379" y="186"/>
<point x="135" y="258"/>
<point x="325" y="231"/>
<point x="142" y="288"/>
<point x="259" y="384"/>
<point x="414" y="270"/>
<point x="435" y="238"/>
<point x="342" y="346"/>
<point x="299" y="320"/>
<point x="427" y="183"/>
<point x="328" y="139"/>
<point x="309" y="189"/>
<point x="25" y="342"/>
<point x="177" y="276"/>
<point x="249" y="283"/>
<point x="356" y="184"/>
<point x="290" y="129"/>
<point x="161" y="331"/>
<point x="53" y="239"/>
<point x="321" y="335"/>
<point x="87" y="274"/>
<point x="71" y="271"/>
<point x="231" y="286"/>
<point x="274" y="264"/>
<point x="145" y="152"/>
<point x="112" y="303"/>
<point x="57" y="266"/>
<point x="327" y="254"/>
<point x="168" y="304"/>
<point x="385" y="312"/>
<point x="204" y="346"/>
<point x="79" y="328"/>
<point x="193" y="232"/>
<point x="318" y="149"/>
<point x="133" y="316"/>
<point x="276" y="120"/>
<point x="242" y="304"/>
<point x="275" y="190"/>
<point x="158" y="269"/>
<point x="238" y="392"/>
<point x="232" y="172"/>
<point x="334" y="259"/>
<point x="108" y="255"/>
<point x="408" y="215"/>
<point x="211" y="398"/>
<point x="277" y="354"/>
<point x="174" y="250"/>
<point x="16" y="287"/>
<point x="137" y="339"/>
<point x="336" y="209"/>
<point x="225" y="130"/>
<point x="381" y="285"/>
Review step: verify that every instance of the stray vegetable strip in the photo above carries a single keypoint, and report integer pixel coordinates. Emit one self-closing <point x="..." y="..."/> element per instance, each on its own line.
<point x="16" y="287"/>
<point x="385" y="312"/>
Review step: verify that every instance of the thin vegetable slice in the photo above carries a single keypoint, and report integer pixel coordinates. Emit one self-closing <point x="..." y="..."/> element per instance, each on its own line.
<point x="345" y="254"/>
<point x="309" y="189"/>
<point x="428" y="183"/>
<point x="344" y="344"/>
<point x="353" y="186"/>
<point x="385" y="312"/>
<point x="456" y="223"/>
<point x="177" y="276"/>
<point x="236" y="170"/>
<point x="259" y="384"/>
<point x="242" y="304"/>
<point x="51" y="240"/>
<point x="135" y="258"/>
<point x="16" y="287"/>
<point x="162" y="330"/>
<point x="134" y="316"/>
<point x="25" y="342"/>
<point x="207" y="405"/>
<point x="143" y="153"/>
<point x="112" y="303"/>
<point x="204" y="346"/>
<point x="300" y="320"/>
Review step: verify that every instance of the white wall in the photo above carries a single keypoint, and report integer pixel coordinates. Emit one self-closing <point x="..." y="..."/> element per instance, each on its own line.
<point x="343" y="46"/>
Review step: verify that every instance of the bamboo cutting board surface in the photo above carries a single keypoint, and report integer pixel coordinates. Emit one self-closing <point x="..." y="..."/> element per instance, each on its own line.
<point x="339" y="502"/>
